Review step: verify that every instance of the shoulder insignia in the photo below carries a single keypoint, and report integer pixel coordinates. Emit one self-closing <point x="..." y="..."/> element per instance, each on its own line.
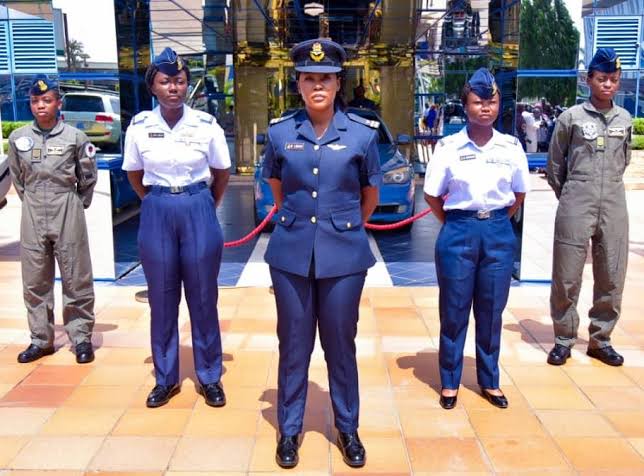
<point x="362" y="120"/>
<point x="277" y="120"/>
<point x="140" y="117"/>
<point x="511" y="139"/>
<point x="205" y="117"/>
<point x="89" y="149"/>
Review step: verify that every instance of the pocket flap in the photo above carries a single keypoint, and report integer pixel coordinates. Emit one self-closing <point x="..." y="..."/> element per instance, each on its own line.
<point x="347" y="219"/>
<point x="285" y="217"/>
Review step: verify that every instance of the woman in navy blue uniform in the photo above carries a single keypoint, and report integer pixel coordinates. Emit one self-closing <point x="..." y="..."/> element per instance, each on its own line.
<point x="324" y="171"/>
<point x="177" y="161"/>
<point x="485" y="176"/>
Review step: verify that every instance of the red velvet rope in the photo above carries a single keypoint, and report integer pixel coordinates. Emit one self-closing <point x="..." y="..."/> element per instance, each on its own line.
<point x="369" y="226"/>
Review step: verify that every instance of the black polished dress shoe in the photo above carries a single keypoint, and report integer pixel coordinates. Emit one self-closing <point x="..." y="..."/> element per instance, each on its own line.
<point x="606" y="355"/>
<point x="353" y="453"/>
<point x="161" y="394"/>
<point x="498" y="401"/>
<point x="447" y="402"/>
<point x="214" y="394"/>
<point x="558" y="355"/>
<point x="33" y="352"/>
<point x="84" y="353"/>
<point x="286" y="454"/>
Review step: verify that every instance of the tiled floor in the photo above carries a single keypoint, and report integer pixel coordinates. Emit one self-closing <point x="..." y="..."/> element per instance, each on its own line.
<point x="584" y="418"/>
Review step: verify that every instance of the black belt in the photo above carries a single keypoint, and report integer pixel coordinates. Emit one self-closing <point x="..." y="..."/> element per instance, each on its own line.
<point x="192" y="188"/>
<point x="478" y="214"/>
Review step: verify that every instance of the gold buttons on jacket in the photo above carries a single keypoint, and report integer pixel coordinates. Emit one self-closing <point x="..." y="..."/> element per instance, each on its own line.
<point x="314" y="194"/>
<point x="314" y="220"/>
<point x="316" y="171"/>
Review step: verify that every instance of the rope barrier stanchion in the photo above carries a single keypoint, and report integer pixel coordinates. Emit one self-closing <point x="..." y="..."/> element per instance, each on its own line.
<point x="252" y="234"/>
<point x="398" y="224"/>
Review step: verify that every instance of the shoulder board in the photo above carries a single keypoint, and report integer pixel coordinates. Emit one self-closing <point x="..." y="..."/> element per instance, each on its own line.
<point x="277" y="120"/>
<point x="511" y="139"/>
<point x="363" y="121"/>
<point x="140" y="117"/>
<point x="446" y="140"/>
<point x="205" y="117"/>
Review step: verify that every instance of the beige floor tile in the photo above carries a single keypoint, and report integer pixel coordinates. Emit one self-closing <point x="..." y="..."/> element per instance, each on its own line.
<point x="132" y="453"/>
<point x="638" y="444"/>
<point x="5" y="388"/>
<point x="212" y="454"/>
<point x="57" y="375"/>
<point x="222" y="422"/>
<point x="384" y="455"/>
<point x="505" y="422"/>
<point x="571" y="423"/>
<point x="471" y="398"/>
<point x="601" y="454"/>
<point x="23" y="421"/>
<point x="152" y="422"/>
<point x="57" y="452"/>
<point x="616" y="398"/>
<point x="36" y="396"/>
<point x="100" y="397"/>
<point x="435" y="423"/>
<point x="515" y="454"/>
<point x="446" y="454"/>
<point x="629" y="423"/>
<point x="81" y="421"/>
<point x="117" y="375"/>
<point x="606" y="376"/>
<point x="13" y="373"/>
<point x="9" y="448"/>
<point x="532" y="375"/>
<point x="556" y="397"/>
<point x="26" y="472"/>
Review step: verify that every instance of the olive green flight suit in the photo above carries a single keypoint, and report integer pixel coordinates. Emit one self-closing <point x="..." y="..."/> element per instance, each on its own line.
<point x="54" y="174"/>
<point x="588" y="154"/>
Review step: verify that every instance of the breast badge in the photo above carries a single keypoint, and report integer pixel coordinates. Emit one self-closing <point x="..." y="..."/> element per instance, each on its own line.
<point x="589" y="130"/>
<point x="24" y="144"/>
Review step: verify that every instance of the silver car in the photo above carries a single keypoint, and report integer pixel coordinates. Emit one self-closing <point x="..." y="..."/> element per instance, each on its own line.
<point x="96" y="114"/>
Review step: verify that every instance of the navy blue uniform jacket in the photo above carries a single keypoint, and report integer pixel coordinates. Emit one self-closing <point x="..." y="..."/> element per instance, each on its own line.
<point x="321" y="183"/>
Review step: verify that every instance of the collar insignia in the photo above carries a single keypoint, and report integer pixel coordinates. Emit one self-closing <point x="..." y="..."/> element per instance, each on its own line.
<point x="317" y="53"/>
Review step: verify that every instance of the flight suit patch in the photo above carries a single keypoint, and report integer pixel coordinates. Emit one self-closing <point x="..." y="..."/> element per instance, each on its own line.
<point x="54" y="150"/>
<point x="36" y="155"/>
<point x="24" y="144"/>
<point x="156" y="135"/>
<point x="294" y="146"/>
<point x="616" y="131"/>
<point x="589" y="130"/>
<point x="467" y="157"/>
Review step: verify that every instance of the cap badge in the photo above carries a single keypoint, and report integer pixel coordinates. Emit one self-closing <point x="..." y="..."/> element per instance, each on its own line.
<point x="42" y="85"/>
<point x="317" y="53"/>
<point x="179" y="63"/>
<point x="495" y="89"/>
<point x="618" y="63"/>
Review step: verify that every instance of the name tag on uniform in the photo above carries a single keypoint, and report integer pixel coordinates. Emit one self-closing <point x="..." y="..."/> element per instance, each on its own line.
<point x="156" y="135"/>
<point x="54" y="150"/>
<point x="294" y="146"/>
<point x="35" y="155"/>
<point x="616" y="132"/>
<point x="467" y="157"/>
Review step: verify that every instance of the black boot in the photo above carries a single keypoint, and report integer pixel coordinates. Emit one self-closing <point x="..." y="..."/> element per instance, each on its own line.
<point x="558" y="355"/>
<point x="161" y="394"/>
<point x="33" y="352"/>
<point x="286" y="453"/>
<point x="353" y="453"/>
<point x="606" y="355"/>
<point x="84" y="353"/>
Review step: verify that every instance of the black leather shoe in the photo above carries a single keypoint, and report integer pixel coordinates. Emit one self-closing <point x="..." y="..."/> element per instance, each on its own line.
<point x="447" y="402"/>
<point x="84" y="353"/>
<point x="353" y="453"/>
<point x="558" y="355"/>
<point x="33" y="352"/>
<point x="161" y="394"/>
<point x="606" y="355"/>
<point x="498" y="401"/>
<point x="214" y="394"/>
<point x="286" y="454"/>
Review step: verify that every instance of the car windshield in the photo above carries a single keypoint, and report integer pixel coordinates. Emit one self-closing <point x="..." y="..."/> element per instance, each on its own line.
<point x="83" y="103"/>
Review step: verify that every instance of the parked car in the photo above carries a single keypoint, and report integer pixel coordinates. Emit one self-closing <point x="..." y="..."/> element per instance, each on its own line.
<point x="396" y="200"/>
<point x="5" y="180"/>
<point x="96" y="114"/>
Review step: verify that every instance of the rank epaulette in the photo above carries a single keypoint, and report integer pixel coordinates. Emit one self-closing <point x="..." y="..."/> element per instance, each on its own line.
<point x="277" y="120"/>
<point x="361" y="120"/>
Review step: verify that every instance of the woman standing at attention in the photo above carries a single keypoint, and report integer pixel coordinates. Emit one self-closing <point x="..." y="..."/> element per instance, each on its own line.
<point x="485" y="176"/>
<point x="324" y="170"/>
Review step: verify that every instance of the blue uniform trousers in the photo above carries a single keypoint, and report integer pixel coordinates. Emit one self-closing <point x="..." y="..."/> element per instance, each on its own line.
<point x="180" y="240"/>
<point x="474" y="261"/>
<point x="332" y="305"/>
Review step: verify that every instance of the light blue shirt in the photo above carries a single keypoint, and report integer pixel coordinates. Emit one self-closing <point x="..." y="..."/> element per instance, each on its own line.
<point x="176" y="156"/>
<point x="477" y="178"/>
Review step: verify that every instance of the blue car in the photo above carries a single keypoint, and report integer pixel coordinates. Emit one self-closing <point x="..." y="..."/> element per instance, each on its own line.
<point x="396" y="200"/>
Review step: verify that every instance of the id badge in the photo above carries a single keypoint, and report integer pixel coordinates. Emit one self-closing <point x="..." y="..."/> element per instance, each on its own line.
<point x="36" y="155"/>
<point x="600" y="142"/>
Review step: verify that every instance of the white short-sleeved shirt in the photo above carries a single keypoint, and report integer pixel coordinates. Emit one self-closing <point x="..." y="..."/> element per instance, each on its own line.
<point x="174" y="157"/>
<point x="477" y="178"/>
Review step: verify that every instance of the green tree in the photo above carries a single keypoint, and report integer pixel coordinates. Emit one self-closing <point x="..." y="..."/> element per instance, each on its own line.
<point x="549" y="40"/>
<point x="76" y="56"/>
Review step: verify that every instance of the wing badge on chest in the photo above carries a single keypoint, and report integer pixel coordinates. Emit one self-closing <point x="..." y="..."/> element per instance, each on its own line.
<point x="336" y="147"/>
